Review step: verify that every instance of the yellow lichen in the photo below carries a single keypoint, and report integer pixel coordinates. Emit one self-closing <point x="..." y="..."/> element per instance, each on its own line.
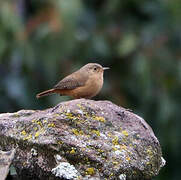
<point x="115" y="140"/>
<point x="69" y="115"/>
<point x="100" y="150"/>
<point x="125" y="133"/>
<point x="114" y="148"/>
<point x="45" y="121"/>
<point x="35" y="128"/>
<point x="115" y="162"/>
<point x="149" y="152"/>
<point x="128" y="158"/>
<point x="80" y="106"/>
<point x="86" y="159"/>
<point x="86" y="114"/>
<point x="51" y="125"/>
<point x="37" y="134"/>
<point x="99" y="118"/>
<point x="96" y="132"/>
<point x="90" y="171"/>
<point x="28" y="137"/>
<point x="81" y="132"/>
<point x="60" y="142"/>
<point x="77" y="132"/>
<point x="39" y="123"/>
<point x="23" y="132"/>
<point x="72" y="151"/>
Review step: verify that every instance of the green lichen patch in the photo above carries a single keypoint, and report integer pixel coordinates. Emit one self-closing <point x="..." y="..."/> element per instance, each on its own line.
<point x="33" y="129"/>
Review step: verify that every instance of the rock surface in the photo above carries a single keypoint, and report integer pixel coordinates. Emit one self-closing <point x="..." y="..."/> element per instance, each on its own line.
<point x="5" y="162"/>
<point x="81" y="139"/>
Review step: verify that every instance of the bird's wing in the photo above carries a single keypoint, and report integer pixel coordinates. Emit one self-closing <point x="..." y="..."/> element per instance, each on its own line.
<point x="69" y="83"/>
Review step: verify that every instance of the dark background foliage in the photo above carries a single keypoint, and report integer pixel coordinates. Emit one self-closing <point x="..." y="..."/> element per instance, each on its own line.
<point x="43" y="41"/>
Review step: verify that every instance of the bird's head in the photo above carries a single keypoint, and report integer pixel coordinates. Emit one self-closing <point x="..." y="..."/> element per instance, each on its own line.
<point x="94" y="68"/>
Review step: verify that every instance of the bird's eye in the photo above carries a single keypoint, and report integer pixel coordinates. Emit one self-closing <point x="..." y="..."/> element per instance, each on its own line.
<point x="95" y="68"/>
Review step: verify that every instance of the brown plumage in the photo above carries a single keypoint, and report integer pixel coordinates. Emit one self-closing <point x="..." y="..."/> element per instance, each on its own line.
<point x="84" y="83"/>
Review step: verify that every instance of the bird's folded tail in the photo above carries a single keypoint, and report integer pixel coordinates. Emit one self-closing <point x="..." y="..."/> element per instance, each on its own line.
<point x="46" y="93"/>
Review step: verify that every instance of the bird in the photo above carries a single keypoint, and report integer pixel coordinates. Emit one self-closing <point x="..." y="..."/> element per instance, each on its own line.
<point x="83" y="83"/>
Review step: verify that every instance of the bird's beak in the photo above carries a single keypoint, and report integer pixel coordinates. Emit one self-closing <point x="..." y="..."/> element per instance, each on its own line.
<point x="104" y="68"/>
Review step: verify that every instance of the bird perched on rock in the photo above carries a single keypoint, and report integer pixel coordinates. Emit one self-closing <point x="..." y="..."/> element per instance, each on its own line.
<point x="84" y="83"/>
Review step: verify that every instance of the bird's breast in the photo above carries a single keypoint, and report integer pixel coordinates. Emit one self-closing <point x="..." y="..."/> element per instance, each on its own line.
<point x="91" y="88"/>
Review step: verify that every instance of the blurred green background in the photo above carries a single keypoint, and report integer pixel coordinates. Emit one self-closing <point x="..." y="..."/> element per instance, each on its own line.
<point x="140" y="40"/>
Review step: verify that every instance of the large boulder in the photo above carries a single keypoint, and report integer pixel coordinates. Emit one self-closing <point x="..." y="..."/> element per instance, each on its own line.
<point x="81" y="139"/>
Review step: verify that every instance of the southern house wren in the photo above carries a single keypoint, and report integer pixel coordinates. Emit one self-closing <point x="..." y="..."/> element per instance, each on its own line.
<point x="84" y="83"/>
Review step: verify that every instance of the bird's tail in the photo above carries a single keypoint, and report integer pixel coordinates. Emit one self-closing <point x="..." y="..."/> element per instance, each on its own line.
<point x="46" y="93"/>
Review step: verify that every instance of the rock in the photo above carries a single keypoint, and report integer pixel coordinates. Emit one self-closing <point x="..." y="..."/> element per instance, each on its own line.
<point x="81" y="139"/>
<point x="5" y="162"/>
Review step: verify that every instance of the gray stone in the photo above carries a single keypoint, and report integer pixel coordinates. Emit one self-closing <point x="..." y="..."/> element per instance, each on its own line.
<point x="6" y="159"/>
<point x="97" y="138"/>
